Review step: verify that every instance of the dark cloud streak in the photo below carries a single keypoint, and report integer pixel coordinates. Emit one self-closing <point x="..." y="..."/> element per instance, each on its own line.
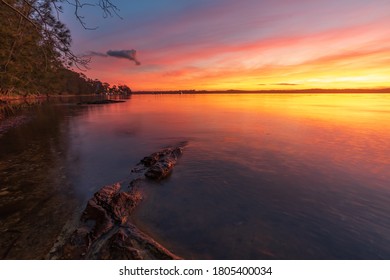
<point x="279" y="84"/>
<point x="284" y="84"/>
<point x="96" y="54"/>
<point x="126" y="54"/>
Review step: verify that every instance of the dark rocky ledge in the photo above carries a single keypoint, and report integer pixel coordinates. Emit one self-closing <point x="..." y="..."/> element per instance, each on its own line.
<point x="105" y="231"/>
<point x="100" y="102"/>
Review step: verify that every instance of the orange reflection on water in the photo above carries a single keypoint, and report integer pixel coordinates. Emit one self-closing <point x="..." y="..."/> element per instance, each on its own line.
<point x="345" y="131"/>
<point x="279" y="165"/>
<point x="349" y="131"/>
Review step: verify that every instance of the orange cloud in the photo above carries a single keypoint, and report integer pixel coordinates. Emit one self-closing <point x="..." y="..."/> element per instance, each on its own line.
<point x="353" y="56"/>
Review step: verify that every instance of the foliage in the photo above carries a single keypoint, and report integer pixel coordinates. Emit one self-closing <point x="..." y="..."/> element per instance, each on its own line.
<point x="35" y="54"/>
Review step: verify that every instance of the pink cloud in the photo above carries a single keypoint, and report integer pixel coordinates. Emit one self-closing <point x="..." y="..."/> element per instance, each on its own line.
<point x="184" y="51"/>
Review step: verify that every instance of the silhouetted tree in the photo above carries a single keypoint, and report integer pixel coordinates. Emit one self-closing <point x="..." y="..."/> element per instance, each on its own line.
<point x="123" y="89"/>
<point x="35" y="49"/>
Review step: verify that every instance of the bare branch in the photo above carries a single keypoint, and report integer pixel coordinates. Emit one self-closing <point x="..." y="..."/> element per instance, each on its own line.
<point x="107" y="6"/>
<point x="109" y="9"/>
<point x="78" y="5"/>
<point x="20" y="13"/>
<point x="58" y="9"/>
<point x="52" y="31"/>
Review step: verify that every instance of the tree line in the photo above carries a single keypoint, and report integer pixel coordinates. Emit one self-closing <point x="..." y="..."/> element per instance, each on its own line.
<point x="35" y="53"/>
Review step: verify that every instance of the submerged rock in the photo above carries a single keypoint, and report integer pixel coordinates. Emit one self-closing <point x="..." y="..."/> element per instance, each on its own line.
<point x="105" y="230"/>
<point x="161" y="164"/>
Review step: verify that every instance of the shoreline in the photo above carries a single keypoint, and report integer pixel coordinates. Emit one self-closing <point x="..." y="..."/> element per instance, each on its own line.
<point x="4" y="99"/>
<point x="14" y="109"/>
<point x="276" y="91"/>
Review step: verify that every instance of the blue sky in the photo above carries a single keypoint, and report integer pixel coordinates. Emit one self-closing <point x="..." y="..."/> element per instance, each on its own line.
<point x="245" y="44"/>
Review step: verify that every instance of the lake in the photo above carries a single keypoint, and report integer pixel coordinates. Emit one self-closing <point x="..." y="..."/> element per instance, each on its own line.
<point x="264" y="176"/>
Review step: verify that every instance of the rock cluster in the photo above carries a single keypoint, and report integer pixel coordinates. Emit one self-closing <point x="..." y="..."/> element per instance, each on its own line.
<point x="105" y="230"/>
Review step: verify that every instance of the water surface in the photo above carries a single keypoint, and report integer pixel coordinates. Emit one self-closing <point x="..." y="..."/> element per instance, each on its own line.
<point x="278" y="176"/>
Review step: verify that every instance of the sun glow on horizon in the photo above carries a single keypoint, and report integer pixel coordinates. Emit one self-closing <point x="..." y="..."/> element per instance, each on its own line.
<point x="251" y="46"/>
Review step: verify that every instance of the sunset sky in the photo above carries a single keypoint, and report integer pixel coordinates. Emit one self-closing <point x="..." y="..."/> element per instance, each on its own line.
<point x="248" y="44"/>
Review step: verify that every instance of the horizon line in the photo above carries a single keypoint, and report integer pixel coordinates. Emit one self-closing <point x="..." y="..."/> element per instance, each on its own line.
<point x="310" y="90"/>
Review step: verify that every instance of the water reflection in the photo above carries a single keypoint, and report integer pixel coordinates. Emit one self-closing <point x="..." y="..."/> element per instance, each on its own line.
<point x="35" y="192"/>
<point x="39" y="180"/>
<point x="263" y="177"/>
<point x="277" y="176"/>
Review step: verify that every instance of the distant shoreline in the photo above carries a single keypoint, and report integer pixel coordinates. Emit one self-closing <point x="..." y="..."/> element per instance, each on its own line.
<point x="4" y="99"/>
<point x="307" y="91"/>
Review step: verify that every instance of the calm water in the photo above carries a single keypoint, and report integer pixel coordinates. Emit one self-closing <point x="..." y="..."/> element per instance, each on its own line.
<point x="291" y="176"/>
